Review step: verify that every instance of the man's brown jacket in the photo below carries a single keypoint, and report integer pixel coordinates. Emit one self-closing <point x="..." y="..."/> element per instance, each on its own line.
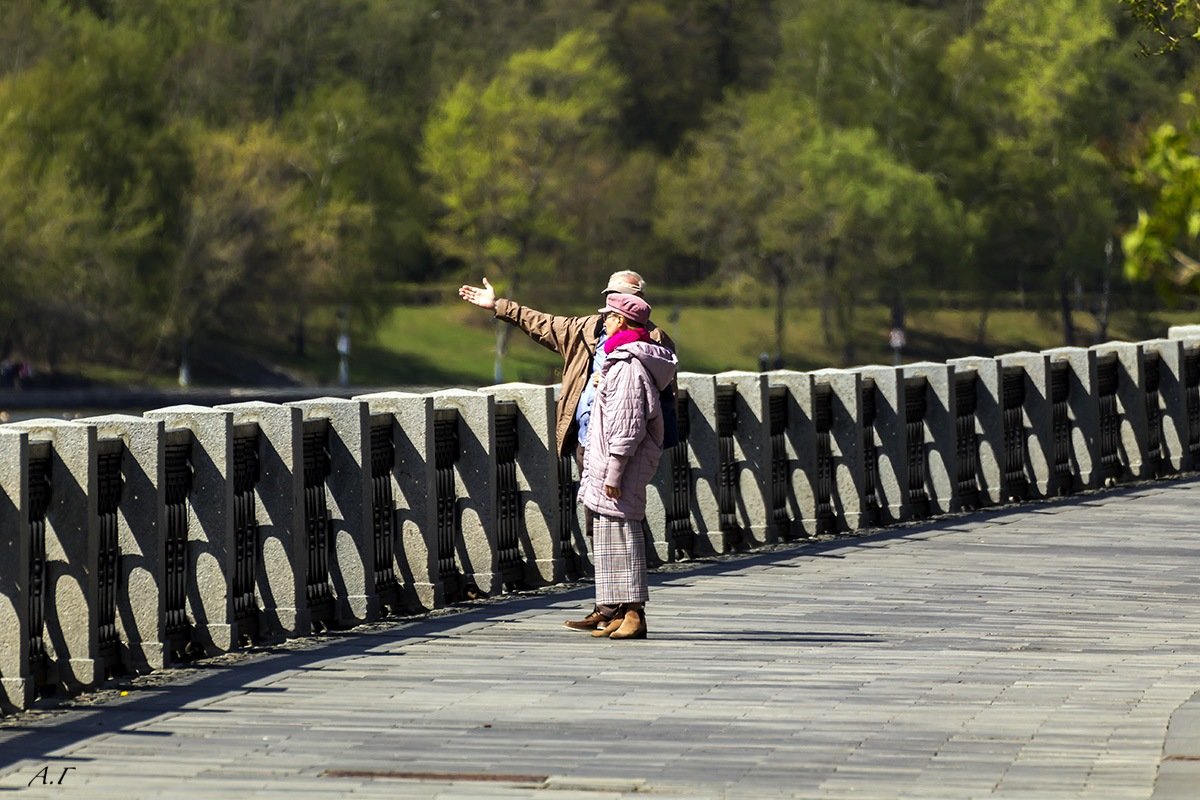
<point x="573" y="338"/>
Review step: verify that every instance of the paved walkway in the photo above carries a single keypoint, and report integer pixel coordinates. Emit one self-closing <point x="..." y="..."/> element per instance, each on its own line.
<point x="1032" y="652"/>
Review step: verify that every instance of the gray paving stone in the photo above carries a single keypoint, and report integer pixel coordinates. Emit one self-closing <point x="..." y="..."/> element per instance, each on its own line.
<point x="1036" y="652"/>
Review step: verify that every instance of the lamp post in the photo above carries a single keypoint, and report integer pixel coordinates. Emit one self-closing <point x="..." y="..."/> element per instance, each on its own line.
<point x="185" y="368"/>
<point x="343" y="347"/>
<point x="896" y="341"/>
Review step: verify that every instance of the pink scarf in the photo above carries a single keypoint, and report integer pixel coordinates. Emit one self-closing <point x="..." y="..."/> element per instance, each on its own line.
<point x="625" y="337"/>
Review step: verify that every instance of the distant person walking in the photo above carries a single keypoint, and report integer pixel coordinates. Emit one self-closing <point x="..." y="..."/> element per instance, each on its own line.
<point x="579" y="340"/>
<point x="624" y="446"/>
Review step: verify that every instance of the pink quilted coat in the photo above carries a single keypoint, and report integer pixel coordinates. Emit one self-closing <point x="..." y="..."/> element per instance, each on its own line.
<point x="624" y="442"/>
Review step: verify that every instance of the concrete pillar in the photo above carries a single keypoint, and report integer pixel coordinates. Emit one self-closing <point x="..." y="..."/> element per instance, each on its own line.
<point x="1037" y="419"/>
<point x="211" y="546"/>
<point x="16" y="682"/>
<point x="892" y="442"/>
<point x="1172" y="396"/>
<point x="348" y="495"/>
<point x="72" y="552"/>
<point x="988" y="425"/>
<point x="413" y="493"/>
<point x="279" y="512"/>
<point x="1131" y="401"/>
<point x="752" y="453"/>
<point x="141" y="522"/>
<point x="1183" y="332"/>
<point x="537" y="479"/>
<point x="1084" y="413"/>
<point x="941" y="451"/>
<point x="705" y="461"/>
<point x="475" y="487"/>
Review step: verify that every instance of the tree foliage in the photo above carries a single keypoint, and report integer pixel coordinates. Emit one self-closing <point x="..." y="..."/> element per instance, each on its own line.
<point x="175" y="172"/>
<point x="1171" y="21"/>
<point x="1164" y="246"/>
<point x="768" y="189"/>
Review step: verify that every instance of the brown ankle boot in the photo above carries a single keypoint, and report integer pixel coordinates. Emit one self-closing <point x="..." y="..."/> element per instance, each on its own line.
<point x="633" y="626"/>
<point x="589" y="623"/>
<point x="613" y="624"/>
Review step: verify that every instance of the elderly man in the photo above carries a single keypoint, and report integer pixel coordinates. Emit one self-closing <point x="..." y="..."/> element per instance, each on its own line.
<point x="579" y="340"/>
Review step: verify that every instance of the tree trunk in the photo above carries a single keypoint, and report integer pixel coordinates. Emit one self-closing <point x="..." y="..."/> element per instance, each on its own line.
<point x="503" y="329"/>
<point x="300" y="332"/>
<point x="1064" y="304"/>
<point x="899" y="313"/>
<point x="981" y="329"/>
<point x="828" y="301"/>
<point x="780" y="311"/>
<point x="1101" y="312"/>
<point x="845" y="314"/>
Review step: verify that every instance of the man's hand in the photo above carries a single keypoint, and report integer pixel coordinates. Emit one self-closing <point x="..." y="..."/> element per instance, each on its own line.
<point x="612" y="492"/>
<point x="484" y="298"/>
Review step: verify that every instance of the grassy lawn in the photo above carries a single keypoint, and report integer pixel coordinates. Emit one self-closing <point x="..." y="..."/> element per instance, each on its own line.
<point x="454" y="345"/>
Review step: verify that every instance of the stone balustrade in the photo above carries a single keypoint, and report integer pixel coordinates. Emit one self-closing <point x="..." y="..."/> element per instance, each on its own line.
<point x="132" y="542"/>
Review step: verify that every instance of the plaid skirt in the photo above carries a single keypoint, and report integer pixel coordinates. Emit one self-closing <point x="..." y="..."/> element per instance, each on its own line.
<point x="620" y="561"/>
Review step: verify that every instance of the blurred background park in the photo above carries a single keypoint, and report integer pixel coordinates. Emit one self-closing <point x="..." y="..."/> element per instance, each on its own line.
<point x="221" y="192"/>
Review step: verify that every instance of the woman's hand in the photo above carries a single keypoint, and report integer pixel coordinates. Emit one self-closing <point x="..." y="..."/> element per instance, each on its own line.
<point x="612" y="492"/>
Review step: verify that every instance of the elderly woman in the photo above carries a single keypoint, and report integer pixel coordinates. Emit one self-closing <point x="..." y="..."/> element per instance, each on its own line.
<point x="624" y="445"/>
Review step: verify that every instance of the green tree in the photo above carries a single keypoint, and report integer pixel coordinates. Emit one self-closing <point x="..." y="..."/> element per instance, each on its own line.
<point x="237" y="233"/>
<point x="89" y="187"/>
<point x="1042" y="187"/>
<point x="504" y="158"/>
<point x="336" y="129"/>
<point x="680" y="56"/>
<point x="1164" y="245"/>
<point x="768" y="190"/>
<point x="865" y="63"/>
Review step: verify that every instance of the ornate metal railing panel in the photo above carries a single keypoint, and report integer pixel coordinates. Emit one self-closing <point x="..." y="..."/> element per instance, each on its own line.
<point x="1014" y="479"/>
<point x="245" y="523"/>
<point x="1155" y="457"/>
<point x="317" y="467"/>
<point x="1060" y="398"/>
<point x="727" y="475"/>
<point x="510" y="518"/>
<point x="871" y="502"/>
<point x="823" y="430"/>
<point x="108" y="474"/>
<point x="40" y="491"/>
<point x="966" y="440"/>
<point x="777" y="407"/>
<point x="915" y="405"/>
<point x="568" y="521"/>
<point x="1191" y="383"/>
<point x="446" y="453"/>
<point x="1107" y="381"/>
<point x="175" y="581"/>
<point x="383" y="508"/>
<point x="680" y="534"/>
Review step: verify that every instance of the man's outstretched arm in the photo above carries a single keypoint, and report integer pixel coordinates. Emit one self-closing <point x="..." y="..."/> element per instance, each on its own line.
<point x="550" y="331"/>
